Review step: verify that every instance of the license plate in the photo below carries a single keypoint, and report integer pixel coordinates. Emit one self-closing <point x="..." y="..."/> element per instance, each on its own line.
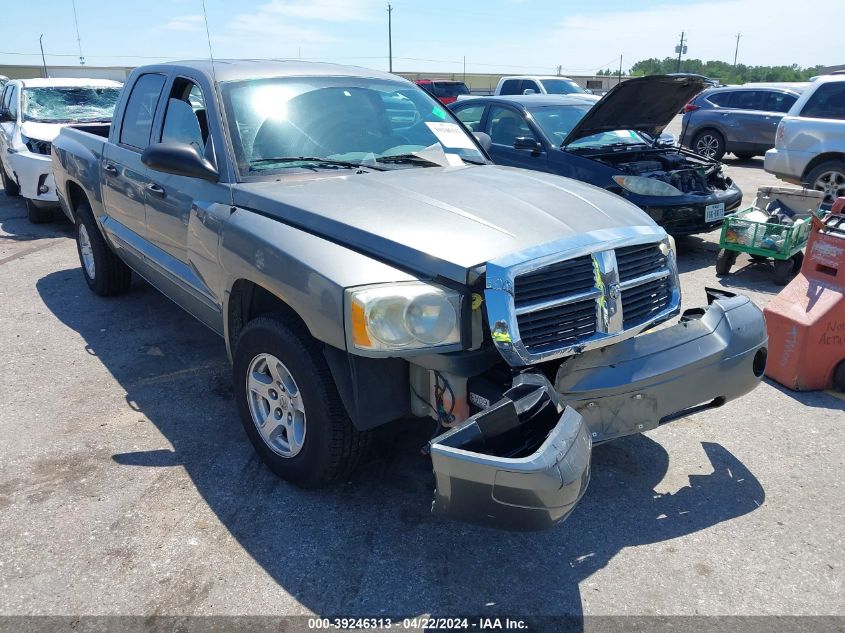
<point x="713" y="212"/>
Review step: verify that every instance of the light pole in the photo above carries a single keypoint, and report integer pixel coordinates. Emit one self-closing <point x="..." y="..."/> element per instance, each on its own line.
<point x="390" y="37"/>
<point x="78" y="39"/>
<point x="680" y="50"/>
<point x="736" y="52"/>
<point x="43" y="61"/>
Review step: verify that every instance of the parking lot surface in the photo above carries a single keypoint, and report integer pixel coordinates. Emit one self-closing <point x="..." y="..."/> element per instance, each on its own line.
<point x="127" y="485"/>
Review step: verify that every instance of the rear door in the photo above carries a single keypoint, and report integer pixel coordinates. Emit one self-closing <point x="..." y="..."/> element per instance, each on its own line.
<point x="749" y="123"/>
<point x="124" y="176"/>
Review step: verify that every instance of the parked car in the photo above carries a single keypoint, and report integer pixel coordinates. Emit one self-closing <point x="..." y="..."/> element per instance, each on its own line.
<point x="613" y="143"/>
<point x="810" y="140"/>
<point x="32" y="111"/>
<point x="538" y="84"/>
<point x="445" y="90"/>
<point x="362" y="268"/>
<point x="3" y="81"/>
<point x="708" y="81"/>
<point x="741" y="120"/>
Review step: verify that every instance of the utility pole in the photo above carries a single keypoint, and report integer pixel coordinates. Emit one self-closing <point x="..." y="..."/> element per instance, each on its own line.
<point x="43" y="61"/>
<point x="559" y="68"/>
<point x="465" y="69"/>
<point x="390" y="36"/>
<point x="736" y="52"/>
<point x="78" y="39"/>
<point x="620" y="71"/>
<point x="680" y="50"/>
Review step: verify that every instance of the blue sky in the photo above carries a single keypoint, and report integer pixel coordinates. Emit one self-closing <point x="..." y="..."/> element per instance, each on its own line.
<point x="494" y="35"/>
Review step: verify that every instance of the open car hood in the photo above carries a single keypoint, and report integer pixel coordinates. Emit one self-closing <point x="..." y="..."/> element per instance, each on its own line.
<point x="643" y="104"/>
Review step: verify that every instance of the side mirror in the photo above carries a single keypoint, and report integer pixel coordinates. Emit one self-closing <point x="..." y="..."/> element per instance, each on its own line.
<point x="527" y="142"/>
<point x="484" y="140"/>
<point x="529" y="91"/>
<point x="178" y="159"/>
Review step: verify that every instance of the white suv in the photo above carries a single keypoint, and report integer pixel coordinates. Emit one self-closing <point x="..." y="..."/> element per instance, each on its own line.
<point x="810" y="141"/>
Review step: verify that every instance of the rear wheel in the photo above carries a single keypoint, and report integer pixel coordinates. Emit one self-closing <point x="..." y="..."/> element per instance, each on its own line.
<point x="724" y="261"/>
<point x="103" y="271"/>
<point x="10" y="187"/>
<point x="709" y="143"/>
<point x="797" y="262"/>
<point x="36" y="214"/>
<point x="783" y="271"/>
<point x="744" y="156"/>
<point x="839" y="377"/>
<point x="289" y="405"/>
<point x="829" y="178"/>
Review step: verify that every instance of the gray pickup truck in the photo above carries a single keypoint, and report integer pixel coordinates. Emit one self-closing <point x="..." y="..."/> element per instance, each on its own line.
<point x="364" y="262"/>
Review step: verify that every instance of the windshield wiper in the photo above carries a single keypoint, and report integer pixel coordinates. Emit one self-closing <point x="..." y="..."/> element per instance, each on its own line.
<point x="315" y="160"/>
<point x="408" y="158"/>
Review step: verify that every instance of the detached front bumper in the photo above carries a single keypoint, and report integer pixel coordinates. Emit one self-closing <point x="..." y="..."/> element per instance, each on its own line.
<point x="34" y="175"/>
<point x="524" y="462"/>
<point x="713" y="355"/>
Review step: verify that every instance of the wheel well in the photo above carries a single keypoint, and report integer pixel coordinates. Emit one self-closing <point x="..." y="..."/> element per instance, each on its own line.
<point x="75" y="196"/>
<point x="818" y="160"/>
<point x="707" y="129"/>
<point x="247" y="301"/>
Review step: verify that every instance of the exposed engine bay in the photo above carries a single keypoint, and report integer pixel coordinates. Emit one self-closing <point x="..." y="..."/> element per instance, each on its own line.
<point x="683" y="170"/>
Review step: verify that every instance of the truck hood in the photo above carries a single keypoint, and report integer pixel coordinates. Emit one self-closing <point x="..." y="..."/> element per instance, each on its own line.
<point x="643" y="104"/>
<point x="41" y="131"/>
<point x="441" y="220"/>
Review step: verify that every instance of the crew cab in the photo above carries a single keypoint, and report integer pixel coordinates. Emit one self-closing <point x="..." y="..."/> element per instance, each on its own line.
<point x="363" y="266"/>
<point x="32" y="111"/>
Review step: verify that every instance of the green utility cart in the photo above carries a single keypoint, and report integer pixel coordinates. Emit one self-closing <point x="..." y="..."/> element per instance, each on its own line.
<point x="750" y="231"/>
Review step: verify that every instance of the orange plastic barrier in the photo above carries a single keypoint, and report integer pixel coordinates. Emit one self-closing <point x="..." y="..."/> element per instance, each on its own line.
<point x="806" y="321"/>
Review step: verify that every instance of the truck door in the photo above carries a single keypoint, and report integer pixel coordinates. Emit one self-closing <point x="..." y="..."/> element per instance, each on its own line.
<point x="511" y="135"/>
<point x="184" y="213"/>
<point x="124" y="175"/>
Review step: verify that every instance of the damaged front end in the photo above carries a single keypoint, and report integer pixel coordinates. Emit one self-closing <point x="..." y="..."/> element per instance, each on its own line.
<point x="688" y="173"/>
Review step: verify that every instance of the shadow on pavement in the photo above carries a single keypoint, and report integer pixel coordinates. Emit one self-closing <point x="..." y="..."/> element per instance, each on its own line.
<point x="370" y="547"/>
<point x="815" y="399"/>
<point x="15" y="226"/>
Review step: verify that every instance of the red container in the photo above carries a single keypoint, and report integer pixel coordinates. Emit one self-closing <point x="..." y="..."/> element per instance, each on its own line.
<point x="806" y="321"/>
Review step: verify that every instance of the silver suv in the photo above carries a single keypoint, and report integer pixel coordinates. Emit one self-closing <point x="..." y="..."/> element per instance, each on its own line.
<point x="741" y="120"/>
<point x="810" y="141"/>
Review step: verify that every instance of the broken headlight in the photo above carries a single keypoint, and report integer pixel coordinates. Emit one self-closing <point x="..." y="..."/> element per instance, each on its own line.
<point x="647" y="186"/>
<point x="403" y="316"/>
<point x="37" y="146"/>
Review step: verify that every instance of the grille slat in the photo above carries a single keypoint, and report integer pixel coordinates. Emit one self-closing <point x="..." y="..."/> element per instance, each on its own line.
<point x="635" y="261"/>
<point x="640" y="303"/>
<point x="557" y="280"/>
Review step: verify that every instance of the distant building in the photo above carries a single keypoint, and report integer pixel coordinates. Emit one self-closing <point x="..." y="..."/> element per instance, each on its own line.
<point x="27" y="71"/>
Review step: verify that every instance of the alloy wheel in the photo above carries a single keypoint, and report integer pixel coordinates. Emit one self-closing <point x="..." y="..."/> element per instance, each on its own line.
<point x="831" y="184"/>
<point x="707" y="145"/>
<point x="275" y="404"/>
<point x="87" y="252"/>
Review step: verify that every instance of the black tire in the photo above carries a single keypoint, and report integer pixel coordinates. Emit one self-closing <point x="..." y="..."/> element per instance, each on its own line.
<point x="832" y="187"/>
<point x="709" y="143"/>
<point x="724" y="261"/>
<point x="797" y="262"/>
<point x="332" y="446"/>
<point x="38" y="215"/>
<point x="744" y="156"/>
<point x="758" y="259"/>
<point x="783" y="271"/>
<point x="110" y="275"/>
<point x="10" y="187"/>
<point x="839" y="377"/>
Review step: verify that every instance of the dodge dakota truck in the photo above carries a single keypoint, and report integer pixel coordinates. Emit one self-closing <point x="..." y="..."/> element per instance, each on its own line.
<point x="363" y="260"/>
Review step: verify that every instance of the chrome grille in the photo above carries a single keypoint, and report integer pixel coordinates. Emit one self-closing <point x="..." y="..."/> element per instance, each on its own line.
<point x="540" y="309"/>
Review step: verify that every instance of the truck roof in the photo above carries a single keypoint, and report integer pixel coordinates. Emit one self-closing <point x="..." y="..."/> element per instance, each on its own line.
<point x="240" y="69"/>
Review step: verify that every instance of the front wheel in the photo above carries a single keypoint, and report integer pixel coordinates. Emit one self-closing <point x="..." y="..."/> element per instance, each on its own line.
<point x="10" y="187"/>
<point x="103" y="271"/>
<point x="289" y="405"/>
<point x="724" y="261"/>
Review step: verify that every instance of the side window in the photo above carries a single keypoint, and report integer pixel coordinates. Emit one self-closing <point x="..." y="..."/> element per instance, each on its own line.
<point x="510" y="87"/>
<point x="505" y="126"/>
<point x="827" y="102"/>
<point x="13" y="101"/>
<point x="778" y="101"/>
<point x="529" y="84"/>
<point x="746" y="100"/>
<point x="185" y="119"/>
<point x="471" y="117"/>
<point x="721" y="99"/>
<point x="140" y="111"/>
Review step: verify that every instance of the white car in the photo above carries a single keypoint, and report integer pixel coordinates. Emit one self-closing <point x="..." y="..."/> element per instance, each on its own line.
<point x="810" y="140"/>
<point x="32" y="111"/>
<point x="538" y="84"/>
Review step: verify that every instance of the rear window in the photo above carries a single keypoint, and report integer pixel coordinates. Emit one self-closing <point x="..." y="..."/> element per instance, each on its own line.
<point x="827" y="102"/>
<point x="779" y="101"/>
<point x="450" y="89"/>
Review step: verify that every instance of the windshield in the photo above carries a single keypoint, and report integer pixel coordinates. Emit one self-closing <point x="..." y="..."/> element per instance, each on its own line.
<point x="561" y="87"/>
<point x="558" y="121"/>
<point x="357" y="121"/>
<point x="62" y="105"/>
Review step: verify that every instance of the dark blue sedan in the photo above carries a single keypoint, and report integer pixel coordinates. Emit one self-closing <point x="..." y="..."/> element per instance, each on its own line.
<point x="614" y="143"/>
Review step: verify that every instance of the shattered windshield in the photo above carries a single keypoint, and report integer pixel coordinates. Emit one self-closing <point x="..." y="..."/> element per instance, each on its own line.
<point x="71" y="104"/>
<point x="341" y="122"/>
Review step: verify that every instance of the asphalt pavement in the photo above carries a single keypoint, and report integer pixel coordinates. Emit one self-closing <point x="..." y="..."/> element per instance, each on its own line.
<point x="127" y="486"/>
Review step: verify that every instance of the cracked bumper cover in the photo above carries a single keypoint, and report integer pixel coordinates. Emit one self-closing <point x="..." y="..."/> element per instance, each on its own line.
<point x="712" y="356"/>
<point x="524" y="462"/>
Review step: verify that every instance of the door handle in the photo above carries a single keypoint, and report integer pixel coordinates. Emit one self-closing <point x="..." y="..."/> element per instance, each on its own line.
<point x="156" y="190"/>
<point x="110" y="168"/>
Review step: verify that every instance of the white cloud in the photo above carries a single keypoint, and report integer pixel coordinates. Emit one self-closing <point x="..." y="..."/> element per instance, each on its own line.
<point x="318" y="10"/>
<point x="190" y="23"/>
